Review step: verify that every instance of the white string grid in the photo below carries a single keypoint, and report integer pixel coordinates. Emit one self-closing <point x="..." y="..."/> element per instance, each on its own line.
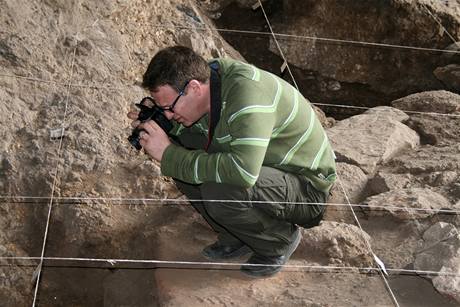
<point x="113" y="87"/>
<point x="212" y="263"/>
<point x="119" y="201"/>
<point x="50" y="206"/>
<point x="221" y="265"/>
<point x="314" y="38"/>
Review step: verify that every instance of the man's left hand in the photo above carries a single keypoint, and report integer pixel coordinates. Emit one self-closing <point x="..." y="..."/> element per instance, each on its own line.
<point x="154" y="140"/>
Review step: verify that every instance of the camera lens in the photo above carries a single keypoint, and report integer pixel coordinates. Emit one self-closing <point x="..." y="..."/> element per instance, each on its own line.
<point x="134" y="139"/>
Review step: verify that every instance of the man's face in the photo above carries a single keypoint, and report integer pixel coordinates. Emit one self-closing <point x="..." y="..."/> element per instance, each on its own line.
<point x="181" y="108"/>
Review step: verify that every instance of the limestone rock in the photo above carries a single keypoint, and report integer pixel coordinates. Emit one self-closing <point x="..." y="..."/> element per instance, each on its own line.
<point x="390" y="112"/>
<point x="427" y="166"/>
<point x="441" y="253"/>
<point x="384" y="182"/>
<point x="368" y="140"/>
<point x="432" y="101"/>
<point x="427" y="159"/>
<point x="444" y="178"/>
<point x="354" y="181"/>
<point x="450" y="76"/>
<point x="337" y="243"/>
<point x="411" y="199"/>
<point x="453" y="57"/>
<point x="434" y="129"/>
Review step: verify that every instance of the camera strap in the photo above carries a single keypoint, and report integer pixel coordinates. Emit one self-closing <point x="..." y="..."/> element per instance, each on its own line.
<point x="216" y="103"/>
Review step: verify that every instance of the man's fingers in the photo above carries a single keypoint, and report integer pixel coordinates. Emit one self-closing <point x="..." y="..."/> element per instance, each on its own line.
<point x="135" y="123"/>
<point x="143" y="135"/>
<point x="133" y="115"/>
<point x="149" y="126"/>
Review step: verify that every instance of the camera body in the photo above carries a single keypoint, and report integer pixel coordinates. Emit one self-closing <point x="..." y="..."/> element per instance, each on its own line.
<point x="149" y="111"/>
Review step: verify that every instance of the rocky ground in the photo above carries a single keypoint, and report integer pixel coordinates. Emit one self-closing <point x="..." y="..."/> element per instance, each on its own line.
<point x="79" y="63"/>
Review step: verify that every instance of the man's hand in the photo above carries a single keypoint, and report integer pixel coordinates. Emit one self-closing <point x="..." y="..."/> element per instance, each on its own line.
<point x="154" y="140"/>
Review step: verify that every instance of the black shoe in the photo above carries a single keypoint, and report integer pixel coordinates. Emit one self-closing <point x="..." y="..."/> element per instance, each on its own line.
<point x="218" y="251"/>
<point x="270" y="265"/>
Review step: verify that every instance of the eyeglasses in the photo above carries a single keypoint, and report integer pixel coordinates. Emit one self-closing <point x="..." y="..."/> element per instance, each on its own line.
<point x="170" y="108"/>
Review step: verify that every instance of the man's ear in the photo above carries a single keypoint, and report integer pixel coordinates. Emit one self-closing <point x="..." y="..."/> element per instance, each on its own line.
<point x="195" y="86"/>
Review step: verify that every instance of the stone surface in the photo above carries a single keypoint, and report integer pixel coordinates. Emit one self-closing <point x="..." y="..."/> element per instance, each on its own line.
<point x="435" y="167"/>
<point x="337" y="72"/>
<point x="384" y="182"/>
<point x="432" y="101"/>
<point x="113" y="43"/>
<point x="450" y="76"/>
<point x="336" y="243"/>
<point x="368" y="140"/>
<point x="354" y="181"/>
<point x="434" y="129"/>
<point x="427" y="159"/>
<point x="403" y="203"/>
<point x="390" y="112"/>
<point x="441" y="253"/>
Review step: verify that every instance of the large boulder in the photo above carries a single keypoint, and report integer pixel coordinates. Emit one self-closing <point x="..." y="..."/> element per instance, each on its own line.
<point x="427" y="159"/>
<point x="434" y="167"/>
<point x="406" y="204"/>
<point x="441" y="253"/>
<point x="385" y="181"/>
<point x="389" y="112"/>
<point x="354" y="181"/>
<point x="450" y="76"/>
<point x="434" y="129"/>
<point x="443" y="102"/>
<point x="336" y="243"/>
<point x="368" y="140"/>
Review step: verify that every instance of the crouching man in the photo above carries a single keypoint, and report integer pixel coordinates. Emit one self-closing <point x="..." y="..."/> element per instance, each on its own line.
<point x="251" y="143"/>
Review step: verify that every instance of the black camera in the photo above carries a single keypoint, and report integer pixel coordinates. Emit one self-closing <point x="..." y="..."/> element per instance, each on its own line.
<point x="149" y="110"/>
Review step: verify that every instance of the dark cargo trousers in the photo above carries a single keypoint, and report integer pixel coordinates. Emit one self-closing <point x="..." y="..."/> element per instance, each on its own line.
<point x="264" y="217"/>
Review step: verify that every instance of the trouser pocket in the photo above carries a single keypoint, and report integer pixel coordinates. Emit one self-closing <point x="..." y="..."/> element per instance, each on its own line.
<point x="306" y="207"/>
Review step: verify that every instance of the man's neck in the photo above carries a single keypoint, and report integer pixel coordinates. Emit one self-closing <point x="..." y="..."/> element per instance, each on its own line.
<point x="207" y="97"/>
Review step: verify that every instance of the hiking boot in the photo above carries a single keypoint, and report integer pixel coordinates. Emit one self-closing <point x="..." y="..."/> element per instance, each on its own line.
<point x="218" y="251"/>
<point x="269" y="265"/>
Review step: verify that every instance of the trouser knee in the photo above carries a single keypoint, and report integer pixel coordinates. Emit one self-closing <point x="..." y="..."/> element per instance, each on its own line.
<point x="221" y="191"/>
<point x="225" y="203"/>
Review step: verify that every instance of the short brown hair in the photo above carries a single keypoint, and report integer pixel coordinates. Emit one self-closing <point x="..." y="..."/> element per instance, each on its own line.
<point x="175" y="66"/>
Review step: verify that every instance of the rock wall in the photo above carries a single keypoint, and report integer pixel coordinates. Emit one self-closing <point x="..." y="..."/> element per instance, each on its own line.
<point x="338" y="72"/>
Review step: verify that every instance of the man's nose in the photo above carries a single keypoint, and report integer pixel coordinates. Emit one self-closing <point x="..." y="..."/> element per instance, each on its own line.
<point x="169" y="115"/>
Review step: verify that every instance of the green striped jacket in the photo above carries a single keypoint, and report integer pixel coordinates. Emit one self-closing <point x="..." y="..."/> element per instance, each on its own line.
<point x="264" y="121"/>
